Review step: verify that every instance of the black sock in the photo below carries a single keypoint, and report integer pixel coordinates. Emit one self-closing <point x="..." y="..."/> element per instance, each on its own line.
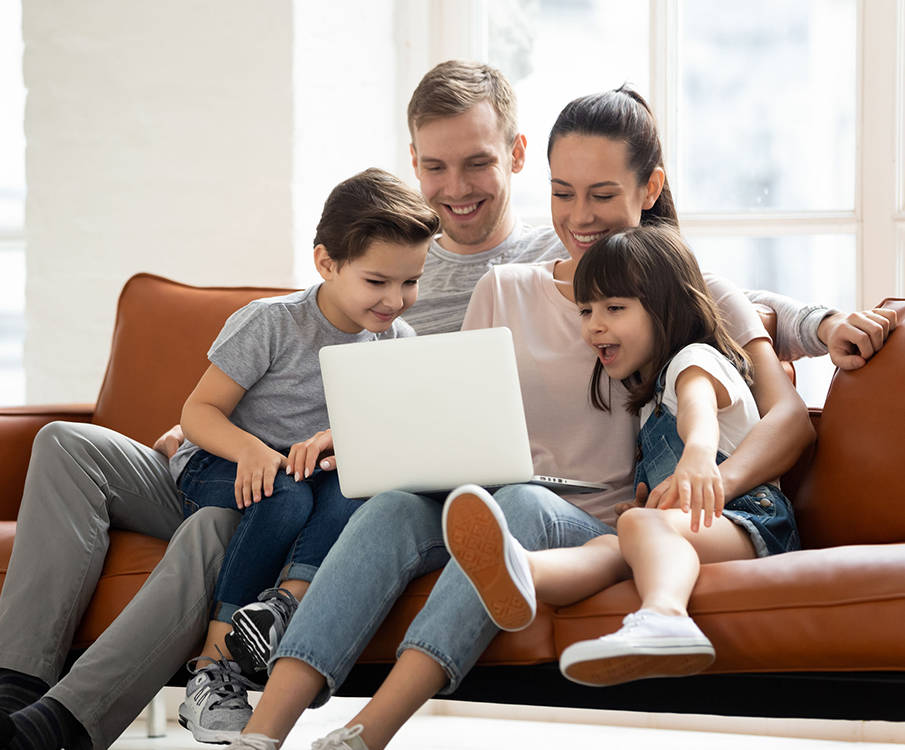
<point x="18" y="690"/>
<point x="47" y="725"/>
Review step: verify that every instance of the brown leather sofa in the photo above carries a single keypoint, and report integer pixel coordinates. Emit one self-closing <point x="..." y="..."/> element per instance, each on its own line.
<point x="817" y="633"/>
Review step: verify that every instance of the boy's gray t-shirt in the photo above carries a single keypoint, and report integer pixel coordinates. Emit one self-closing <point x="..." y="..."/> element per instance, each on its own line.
<point x="450" y="278"/>
<point x="270" y="348"/>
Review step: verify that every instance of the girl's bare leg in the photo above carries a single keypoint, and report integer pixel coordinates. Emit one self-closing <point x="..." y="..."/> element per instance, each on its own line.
<point x="414" y="679"/>
<point x="665" y="556"/>
<point x="568" y="574"/>
<point x="292" y="686"/>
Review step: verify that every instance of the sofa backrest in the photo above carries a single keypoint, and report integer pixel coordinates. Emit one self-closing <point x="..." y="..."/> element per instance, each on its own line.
<point x="854" y="490"/>
<point x="160" y="340"/>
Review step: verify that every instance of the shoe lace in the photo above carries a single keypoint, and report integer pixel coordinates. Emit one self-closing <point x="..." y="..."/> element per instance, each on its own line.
<point x="253" y="741"/>
<point x="336" y="740"/>
<point x="228" y="685"/>
<point x="633" y="620"/>
<point x="282" y="601"/>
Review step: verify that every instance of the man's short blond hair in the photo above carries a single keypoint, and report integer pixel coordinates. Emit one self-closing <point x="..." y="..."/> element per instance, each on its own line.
<point x="455" y="86"/>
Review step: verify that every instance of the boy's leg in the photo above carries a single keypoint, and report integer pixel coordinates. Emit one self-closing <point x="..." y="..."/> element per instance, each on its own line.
<point x="153" y="636"/>
<point x="259" y="627"/>
<point x="82" y="479"/>
<point x="266" y="531"/>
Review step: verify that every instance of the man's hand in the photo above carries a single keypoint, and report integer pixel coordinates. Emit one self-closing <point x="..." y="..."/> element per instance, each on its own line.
<point x="169" y="442"/>
<point x="853" y="339"/>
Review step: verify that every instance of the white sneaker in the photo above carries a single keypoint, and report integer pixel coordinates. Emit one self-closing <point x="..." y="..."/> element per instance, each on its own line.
<point x="344" y="738"/>
<point x="477" y="537"/>
<point x="216" y="706"/>
<point x="648" y="644"/>
<point x="253" y="741"/>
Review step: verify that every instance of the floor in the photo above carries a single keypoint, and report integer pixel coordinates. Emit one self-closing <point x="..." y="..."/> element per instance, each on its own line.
<point x="448" y="725"/>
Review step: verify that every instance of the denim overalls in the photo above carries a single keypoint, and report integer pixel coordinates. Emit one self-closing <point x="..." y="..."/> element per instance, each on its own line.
<point x="764" y="512"/>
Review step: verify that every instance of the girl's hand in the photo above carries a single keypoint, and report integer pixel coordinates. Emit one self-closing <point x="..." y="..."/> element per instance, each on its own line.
<point x="303" y="456"/>
<point x="697" y="486"/>
<point x="257" y="466"/>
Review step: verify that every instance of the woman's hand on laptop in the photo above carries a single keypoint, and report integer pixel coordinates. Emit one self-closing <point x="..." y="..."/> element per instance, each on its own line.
<point x="304" y="456"/>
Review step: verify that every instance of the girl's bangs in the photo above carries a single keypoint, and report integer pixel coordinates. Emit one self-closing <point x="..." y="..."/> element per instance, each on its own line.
<point x="607" y="270"/>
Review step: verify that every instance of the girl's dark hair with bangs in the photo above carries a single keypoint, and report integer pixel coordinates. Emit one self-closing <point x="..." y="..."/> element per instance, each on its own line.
<point x="653" y="264"/>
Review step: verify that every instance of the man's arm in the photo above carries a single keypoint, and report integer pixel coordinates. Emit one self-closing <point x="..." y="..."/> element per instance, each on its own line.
<point x="169" y="442"/>
<point x="815" y="330"/>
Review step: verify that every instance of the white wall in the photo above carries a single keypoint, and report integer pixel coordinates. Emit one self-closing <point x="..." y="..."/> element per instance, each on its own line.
<point x="348" y="114"/>
<point x="159" y="138"/>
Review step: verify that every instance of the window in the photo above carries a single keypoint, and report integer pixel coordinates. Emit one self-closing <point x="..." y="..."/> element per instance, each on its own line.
<point x="12" y="207"/>
<point x="778" y="120"/>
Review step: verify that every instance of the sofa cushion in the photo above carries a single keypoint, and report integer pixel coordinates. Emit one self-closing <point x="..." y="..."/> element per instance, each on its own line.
<point x="853" y="491"/>
<point x="160" y="341"/>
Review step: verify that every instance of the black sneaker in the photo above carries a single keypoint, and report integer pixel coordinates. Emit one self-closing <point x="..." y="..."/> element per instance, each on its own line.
<point x="259" y="627"/>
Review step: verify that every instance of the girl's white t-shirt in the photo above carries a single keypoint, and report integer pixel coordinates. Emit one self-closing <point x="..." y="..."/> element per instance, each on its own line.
<point x="568" y="436"/>
<point x="736" y="419"/>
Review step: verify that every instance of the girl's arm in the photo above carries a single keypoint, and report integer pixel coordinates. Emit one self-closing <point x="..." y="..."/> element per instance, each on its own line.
<point x="205" y="421"/>
<point x="696" y="485"/>
<point x="784" y="431"/>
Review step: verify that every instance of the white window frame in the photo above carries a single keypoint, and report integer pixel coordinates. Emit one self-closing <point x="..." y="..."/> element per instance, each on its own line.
<point x="458" y="28"/>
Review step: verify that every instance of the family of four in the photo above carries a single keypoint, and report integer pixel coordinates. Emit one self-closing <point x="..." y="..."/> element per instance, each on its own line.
<point x="636" y="370"/>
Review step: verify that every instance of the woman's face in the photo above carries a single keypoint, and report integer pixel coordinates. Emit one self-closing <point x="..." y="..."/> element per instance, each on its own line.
<point x="593" y="190"/>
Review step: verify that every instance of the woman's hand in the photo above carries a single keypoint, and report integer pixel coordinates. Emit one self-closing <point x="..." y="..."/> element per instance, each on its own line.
<point x="853" y="339"/>
<point x="257" y="466"/>
<point x="303" y="456"/>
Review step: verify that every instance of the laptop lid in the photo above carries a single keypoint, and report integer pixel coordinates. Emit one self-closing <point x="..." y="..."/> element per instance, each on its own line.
<point x="427" y="413"/>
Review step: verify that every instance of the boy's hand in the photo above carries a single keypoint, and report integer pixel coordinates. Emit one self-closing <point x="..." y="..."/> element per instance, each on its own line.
<point x="303" y="456"/>
<point x="258" y="464"/>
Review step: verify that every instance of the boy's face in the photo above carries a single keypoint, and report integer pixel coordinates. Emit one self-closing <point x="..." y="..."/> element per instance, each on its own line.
<point x="371" y="291"/>
<point x="465" y="167"/>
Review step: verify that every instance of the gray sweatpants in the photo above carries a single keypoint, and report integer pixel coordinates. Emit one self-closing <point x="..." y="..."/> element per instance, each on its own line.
<point x="82" y="481"/>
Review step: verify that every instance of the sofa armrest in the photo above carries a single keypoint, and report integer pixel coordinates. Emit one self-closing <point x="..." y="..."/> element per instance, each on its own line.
<point x="18" y="427"/>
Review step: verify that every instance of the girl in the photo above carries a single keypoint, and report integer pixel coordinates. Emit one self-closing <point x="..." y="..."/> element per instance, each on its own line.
<point x="261" y="393"/>
<point x="647" y="315"/>
<point x="606" y="173"/>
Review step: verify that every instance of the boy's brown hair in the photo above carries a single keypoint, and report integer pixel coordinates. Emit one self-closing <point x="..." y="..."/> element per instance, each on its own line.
<point x="455" y="86"/>
<point x="373" y="205"/>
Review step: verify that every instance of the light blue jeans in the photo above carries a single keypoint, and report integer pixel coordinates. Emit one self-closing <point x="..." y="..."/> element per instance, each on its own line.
<point x="394" y="538"/>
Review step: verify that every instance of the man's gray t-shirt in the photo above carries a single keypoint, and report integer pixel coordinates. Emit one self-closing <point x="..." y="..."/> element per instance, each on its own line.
<point x="270" y="348"/>
<point x="450" y="278"/>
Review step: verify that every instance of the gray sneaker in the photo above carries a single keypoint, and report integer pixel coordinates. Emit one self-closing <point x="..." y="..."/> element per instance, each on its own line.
<point x="216" y="707"/>
<point x="258" y="629"/>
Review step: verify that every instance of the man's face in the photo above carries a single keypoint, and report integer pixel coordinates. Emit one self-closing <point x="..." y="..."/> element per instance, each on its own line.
<point x="465" y="167"/>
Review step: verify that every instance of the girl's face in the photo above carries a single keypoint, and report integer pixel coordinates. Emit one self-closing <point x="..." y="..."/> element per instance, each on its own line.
<point x="372" y="290"/>
<point x="593" y="191"/>
<point x="621" y="332"/>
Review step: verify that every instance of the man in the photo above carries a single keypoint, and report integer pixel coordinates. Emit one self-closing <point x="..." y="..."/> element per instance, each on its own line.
<point x="84" y="479"/>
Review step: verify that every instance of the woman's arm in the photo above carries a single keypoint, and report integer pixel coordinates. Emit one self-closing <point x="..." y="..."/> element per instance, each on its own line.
<point x="784" y="431"/>
<point x="205" y="421"/>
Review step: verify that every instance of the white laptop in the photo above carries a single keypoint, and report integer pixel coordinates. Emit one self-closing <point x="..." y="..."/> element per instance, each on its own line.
<point x="429" y="413"/>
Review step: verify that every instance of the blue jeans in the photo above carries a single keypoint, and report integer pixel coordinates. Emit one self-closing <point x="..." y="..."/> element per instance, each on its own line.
<point x="284" y="536"/>
<point x="764" y="512"/>
<point x="396" y="537"/>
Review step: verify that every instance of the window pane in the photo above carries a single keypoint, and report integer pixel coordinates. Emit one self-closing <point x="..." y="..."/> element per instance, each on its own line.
<point x="810" y="268"/>
<point x="767" y="105"/>
<point x="554" y="51"/>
